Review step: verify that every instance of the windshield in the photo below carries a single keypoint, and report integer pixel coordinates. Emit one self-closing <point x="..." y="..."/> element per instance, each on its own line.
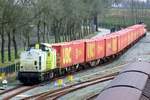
<point x="38" y="46"/>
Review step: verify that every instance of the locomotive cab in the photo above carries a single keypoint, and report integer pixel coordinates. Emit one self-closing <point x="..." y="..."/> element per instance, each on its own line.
<point x="35" y="61"/>
<point x="32" y="59"/>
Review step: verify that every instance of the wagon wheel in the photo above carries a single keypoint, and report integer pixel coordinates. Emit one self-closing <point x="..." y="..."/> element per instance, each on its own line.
<point x="98" y="62"/>
<point x="93" y="63"/>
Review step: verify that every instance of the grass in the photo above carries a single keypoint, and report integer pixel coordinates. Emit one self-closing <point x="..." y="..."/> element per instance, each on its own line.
<point x="13" y="60"/>
<point x="123" y="17"/>
<point x="122" y="11"/>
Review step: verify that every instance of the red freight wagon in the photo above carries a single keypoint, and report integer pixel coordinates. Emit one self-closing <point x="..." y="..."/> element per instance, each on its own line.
<point x="100" y="47"/>
<point x="119" y="39"/>
<point x="78" y="51"/>
<point x="136" y="26"/>
<point x="114" y="43"/>
<point x="108" y="46"/>
<point x="134" y="34"/>
<point x="139" y="27"/>
<point x="130" y="36"/>
<point x="125" y="43"/>
<point x="123" y="39"/>
<point x="137" y="32"/>
<point x="141" y="30"/>
<point x="111" y="45"/>
<point x="90" y="48"/>
<point x="64" y="54"/>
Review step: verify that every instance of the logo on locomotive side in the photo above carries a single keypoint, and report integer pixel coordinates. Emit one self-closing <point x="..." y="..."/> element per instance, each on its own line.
<point x="67" y="55"/>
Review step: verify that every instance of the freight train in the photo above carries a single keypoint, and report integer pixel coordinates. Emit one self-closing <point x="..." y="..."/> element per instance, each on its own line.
<point x="42" y="62"/>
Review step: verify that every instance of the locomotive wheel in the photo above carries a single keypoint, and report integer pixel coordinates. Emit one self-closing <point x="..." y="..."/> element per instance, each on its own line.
<point x="51" y="75"/>
<point x="41" y="78"/>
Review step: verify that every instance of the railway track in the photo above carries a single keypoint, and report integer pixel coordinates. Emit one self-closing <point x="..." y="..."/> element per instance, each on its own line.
<point x="8" y="94"/>
<point x="104" y="75"/>
<point x="55" y="94"/>
<point x="8" y="90"/>
<point x="92" y="97"/>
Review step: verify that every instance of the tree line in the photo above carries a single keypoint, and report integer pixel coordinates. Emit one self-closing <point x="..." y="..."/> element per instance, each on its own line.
<point x="65" y="20"/>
